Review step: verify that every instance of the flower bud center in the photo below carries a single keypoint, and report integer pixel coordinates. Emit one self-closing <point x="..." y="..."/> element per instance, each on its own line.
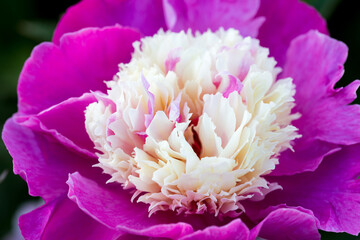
<point x="194" y="123"/>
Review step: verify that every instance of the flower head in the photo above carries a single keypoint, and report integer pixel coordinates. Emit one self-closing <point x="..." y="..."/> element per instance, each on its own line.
<point x="192" y="123"/>
<point x="201" y="119"/>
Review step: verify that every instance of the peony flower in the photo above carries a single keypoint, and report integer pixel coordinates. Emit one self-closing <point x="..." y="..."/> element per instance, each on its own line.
<point x="187" y="120"/>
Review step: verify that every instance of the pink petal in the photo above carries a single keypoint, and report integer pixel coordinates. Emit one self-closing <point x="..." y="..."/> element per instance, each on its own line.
<point x="151" y="97"/>
<point x="151" y="101"/>
<point x="332" y="192"/>
<point x="202" y="15"/>
<point x="234" y="85"/>
<point x="285" y="20"/>
<point x="42" y="161"/>
<point x="111" y="205"/>
<point x="105" y="100"/>
<point x="235" y="230"/>
<point x="66" y="123"/>
<point x="171" y="60"/>
<point x="175" y="111"/>
<point x="145" y="15"/>
<point x="315" y="62"/>
<point x="62" y="219"/>
<point x="287" y="223"/>
<point x="307" y="156"/>
<point x="81" y="63"/>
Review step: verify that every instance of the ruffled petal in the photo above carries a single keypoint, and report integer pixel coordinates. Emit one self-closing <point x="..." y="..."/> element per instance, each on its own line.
<point x="287" y="223"/>
<point x="42" y="162"/>
<point x="285" y="20"/>
<point x="66" y="123"/>
<point x="235" y="230"/>
<point x="145" y="15"/>
<point x="202" y="15"/>
<point x="81" y="63"/>
<point x="315" y="62"/>
<point x="62" y="219"/>
<point x="111" y="205"/>
<point x="332" y="192"/>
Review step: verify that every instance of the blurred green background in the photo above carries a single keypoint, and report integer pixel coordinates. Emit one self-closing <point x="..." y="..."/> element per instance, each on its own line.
<point x="26" y="23"/>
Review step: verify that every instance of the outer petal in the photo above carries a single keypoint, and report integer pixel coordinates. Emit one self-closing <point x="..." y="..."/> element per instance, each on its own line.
<point x="315" y="62"/>
<point x="62" y="219"/>
<point x="65" y="122"/>
<point x="307" y="156"/>
<point x="81" y="63"/>
<point x="235" y="230"/>
<point x="285" y="20"/>
<point x="287" y="223"/>
<point x="145" y="15"/>
<point x="202" y="15"/>
<point x="332" y="192"/>
<point x="111" y="206"/>
<point x="42" y="161"/>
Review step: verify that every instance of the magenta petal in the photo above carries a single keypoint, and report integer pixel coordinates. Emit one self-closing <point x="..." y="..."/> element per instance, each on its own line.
<point x="235" y="230"/>
<point x="145" y="15"/>
<point x="285" y="20"/>
<point x="332" y="192"/>
<point x="325" y="111"/>
<point x="315" y="62"/>
<point x="62" y="219"/>
<point x="66" y="123"/>
<point x="111" y="205"/>
<point x="307" y="156"/>
<point x="234" y="85"/>
<point x="81" y="63"/>
<point x="202" y="15"/>
<point x="287" y="223"/>
<point x="333" y="120"/>
<point x="42" y="161"/>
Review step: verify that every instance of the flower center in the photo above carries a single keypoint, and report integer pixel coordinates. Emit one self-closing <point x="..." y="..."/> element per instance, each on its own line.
<point x="194" y="122"/>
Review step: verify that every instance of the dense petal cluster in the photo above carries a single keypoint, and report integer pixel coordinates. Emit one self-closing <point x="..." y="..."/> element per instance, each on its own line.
<point x="202" y="121"/>
<point x="194" y="122"/>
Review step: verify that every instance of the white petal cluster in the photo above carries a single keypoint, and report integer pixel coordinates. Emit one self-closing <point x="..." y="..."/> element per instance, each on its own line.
<point x="194" y="122"/>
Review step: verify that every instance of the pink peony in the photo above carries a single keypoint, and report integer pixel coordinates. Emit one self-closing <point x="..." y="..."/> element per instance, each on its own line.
<point x="187" y="119"/>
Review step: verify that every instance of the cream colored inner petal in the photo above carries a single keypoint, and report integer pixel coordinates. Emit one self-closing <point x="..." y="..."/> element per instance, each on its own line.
<point x="199" y="121"/>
